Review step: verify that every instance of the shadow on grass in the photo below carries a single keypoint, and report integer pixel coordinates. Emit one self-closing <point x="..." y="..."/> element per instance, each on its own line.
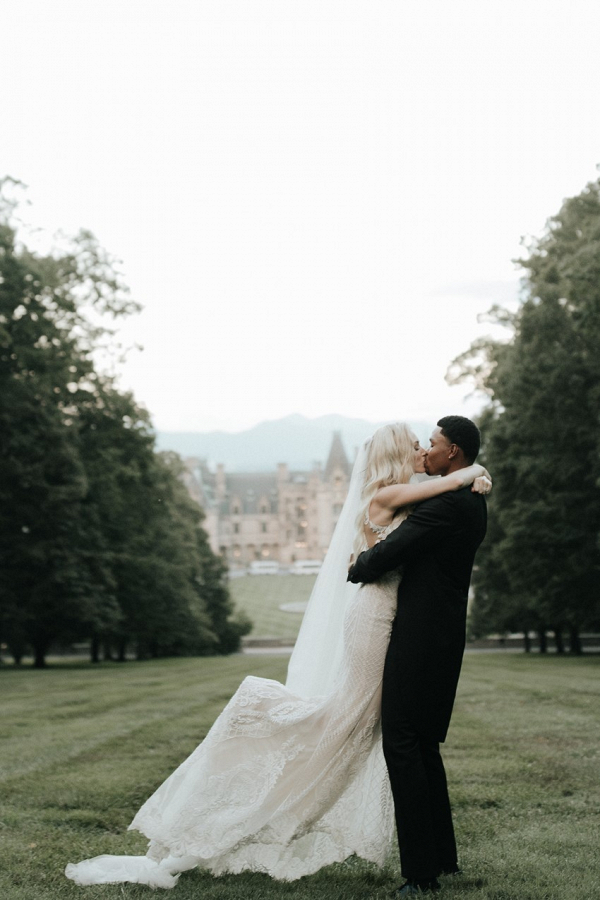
<point x="64" y="663"/>
<point x="345" y="881"/>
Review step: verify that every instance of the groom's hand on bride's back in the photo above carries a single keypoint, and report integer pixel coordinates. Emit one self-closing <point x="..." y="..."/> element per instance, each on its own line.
<point x="351" y="564"/>
<point x="353" y="571"/>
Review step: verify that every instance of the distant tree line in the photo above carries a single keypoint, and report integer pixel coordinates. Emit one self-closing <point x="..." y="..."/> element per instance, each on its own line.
<point x="99" y="540"/>
<point x="539" y="568"/>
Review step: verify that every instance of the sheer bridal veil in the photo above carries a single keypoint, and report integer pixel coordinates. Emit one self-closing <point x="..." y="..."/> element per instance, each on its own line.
<point x="313" y="668"/>
<point x="316" y="658"/>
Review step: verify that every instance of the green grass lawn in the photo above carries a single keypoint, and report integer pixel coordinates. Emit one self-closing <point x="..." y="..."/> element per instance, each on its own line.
<point x="81" y="747"/>
<point x="261" y="597"/>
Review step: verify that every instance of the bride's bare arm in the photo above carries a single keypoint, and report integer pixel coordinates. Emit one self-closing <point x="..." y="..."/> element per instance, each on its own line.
<point x="395" y="496"/>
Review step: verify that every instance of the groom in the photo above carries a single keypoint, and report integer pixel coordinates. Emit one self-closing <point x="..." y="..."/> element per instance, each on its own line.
<point x="435" y="546"/>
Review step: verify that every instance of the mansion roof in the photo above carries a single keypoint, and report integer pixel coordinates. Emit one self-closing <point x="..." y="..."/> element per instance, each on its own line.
<point x="250" y="493"/>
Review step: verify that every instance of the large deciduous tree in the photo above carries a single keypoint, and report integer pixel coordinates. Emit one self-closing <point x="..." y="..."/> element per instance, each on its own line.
<point x="98" y="537"/>
<point x="540" y="566"/>
<point x="49" y="582"/>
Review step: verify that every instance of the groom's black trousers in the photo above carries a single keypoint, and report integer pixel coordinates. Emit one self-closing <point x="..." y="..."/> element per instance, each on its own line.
<point x="418" y="780"/>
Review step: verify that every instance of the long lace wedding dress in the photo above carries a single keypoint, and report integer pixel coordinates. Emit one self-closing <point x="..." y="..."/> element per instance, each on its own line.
<point x="288" y="779"/>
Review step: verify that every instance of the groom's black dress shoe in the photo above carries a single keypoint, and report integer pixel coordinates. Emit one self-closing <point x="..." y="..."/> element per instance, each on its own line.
<point x="414" y="888"/>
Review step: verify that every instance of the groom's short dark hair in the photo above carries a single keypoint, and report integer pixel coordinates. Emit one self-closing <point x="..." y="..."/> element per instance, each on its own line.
<point x="464" y="433"/>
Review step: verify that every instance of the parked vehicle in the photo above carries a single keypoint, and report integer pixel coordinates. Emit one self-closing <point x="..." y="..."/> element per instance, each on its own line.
<point x="264" y="567"/>
<point x="306" y="567"/>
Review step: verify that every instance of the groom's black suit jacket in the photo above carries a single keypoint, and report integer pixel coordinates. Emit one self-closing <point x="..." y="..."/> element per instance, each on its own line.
<point x="436" y="547"/>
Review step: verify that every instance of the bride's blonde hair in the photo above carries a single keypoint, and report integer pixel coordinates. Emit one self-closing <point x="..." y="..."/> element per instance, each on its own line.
<point x="390" y="460"/>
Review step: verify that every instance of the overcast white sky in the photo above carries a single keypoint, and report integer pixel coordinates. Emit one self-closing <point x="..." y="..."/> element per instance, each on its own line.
<point x="312" y="200"/>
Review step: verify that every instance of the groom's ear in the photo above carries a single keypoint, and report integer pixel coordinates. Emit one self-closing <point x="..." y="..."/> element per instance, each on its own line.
<point x="453" y="451"/>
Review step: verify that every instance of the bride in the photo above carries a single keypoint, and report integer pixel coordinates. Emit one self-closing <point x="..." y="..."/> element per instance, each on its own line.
<point x="291" y="778"/>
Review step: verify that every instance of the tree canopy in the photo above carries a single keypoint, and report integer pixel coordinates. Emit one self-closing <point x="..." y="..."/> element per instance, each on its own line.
<point x="539" y="567"/>
<point x="99" y="539"/>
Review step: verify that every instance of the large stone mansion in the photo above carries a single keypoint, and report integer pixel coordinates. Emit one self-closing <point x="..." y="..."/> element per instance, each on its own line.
<point x="283" y="515"/>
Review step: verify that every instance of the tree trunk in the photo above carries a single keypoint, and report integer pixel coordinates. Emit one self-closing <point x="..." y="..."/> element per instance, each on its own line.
<point x="39" y="661"/>
<point x="17" y="651"/>
<point x="543" y="641"/>
<point x="558" y="640"/>
<point x="95" y="649"/>
<point x="526" y="642"/>
<point x="107" y="651"/>
<point x="122" y="651"/>
<point x="575" y="642"/>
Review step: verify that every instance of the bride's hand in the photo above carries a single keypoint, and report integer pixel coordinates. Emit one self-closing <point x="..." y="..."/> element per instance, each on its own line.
<point x="482" y="484"/>
<point x="470" y="475"/>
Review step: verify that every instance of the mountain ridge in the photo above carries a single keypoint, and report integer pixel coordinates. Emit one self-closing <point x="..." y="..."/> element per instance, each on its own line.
<point x="294" y="439"/>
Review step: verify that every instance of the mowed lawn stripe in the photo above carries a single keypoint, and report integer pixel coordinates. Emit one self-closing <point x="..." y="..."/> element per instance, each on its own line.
<point x="261" y="597"/>
<point x="70" y="710"/>
<point x="522" y="759"/>
<point x="523" y="765"/>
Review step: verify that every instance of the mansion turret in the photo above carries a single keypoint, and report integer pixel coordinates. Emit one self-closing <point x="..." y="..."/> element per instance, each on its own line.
<point x="283" y="515"/>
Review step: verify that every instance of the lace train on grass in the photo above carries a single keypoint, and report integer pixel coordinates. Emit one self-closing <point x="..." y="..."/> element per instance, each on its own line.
<point x="281" y="784"/>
